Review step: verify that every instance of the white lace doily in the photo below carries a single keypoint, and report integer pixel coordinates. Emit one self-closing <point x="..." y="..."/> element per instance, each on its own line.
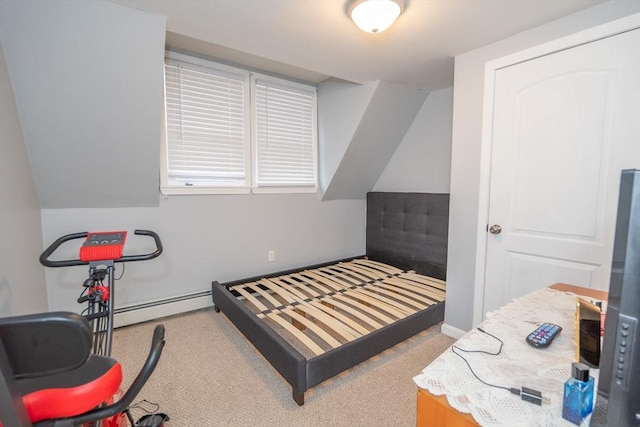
<point x="518" y="365"/>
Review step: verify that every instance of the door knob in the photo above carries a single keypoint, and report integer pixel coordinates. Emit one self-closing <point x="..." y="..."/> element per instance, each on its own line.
<point x="495" y="229"/>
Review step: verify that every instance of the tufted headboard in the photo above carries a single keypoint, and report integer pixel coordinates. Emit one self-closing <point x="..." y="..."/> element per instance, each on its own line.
<point x="409" y="231"/>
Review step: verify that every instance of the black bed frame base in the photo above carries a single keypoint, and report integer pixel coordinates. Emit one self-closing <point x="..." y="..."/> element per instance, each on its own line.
<point x="301" y="373"/>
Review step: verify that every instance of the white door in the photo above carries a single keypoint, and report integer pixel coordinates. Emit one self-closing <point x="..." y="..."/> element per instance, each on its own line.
<point x="564" y="126"/>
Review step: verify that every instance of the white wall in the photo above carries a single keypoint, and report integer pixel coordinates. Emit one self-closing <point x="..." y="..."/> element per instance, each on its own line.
<point x="465" y="222"/>
<point x="22" y="280"/>
<point x="208" y="238"/>
<point x="422" y="162"/>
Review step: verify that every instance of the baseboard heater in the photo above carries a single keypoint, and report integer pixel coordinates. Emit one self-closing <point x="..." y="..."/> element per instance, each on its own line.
<point x="138" y="313"/>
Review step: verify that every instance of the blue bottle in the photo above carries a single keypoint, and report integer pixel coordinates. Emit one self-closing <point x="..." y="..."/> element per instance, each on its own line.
<point x="578" y="394"/>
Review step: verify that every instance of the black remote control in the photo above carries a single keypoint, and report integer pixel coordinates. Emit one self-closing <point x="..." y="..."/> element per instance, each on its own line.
<point x="543" y="335"/>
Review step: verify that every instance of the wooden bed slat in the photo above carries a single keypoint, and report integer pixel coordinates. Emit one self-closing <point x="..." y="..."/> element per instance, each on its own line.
<point x="405" y="290"/>
<point x="324" y="289"/>
<point x="313" y="327"/>
<point x="436" y="283"/>
<point x="249" y="297"/>
<point x="343" y="301"/>
<point x="296" y="293"/>
<point x="432" y="293"/>
<point x="385" y="303"/>
<point x="284" y="293"/>
<point x="355" y="272"/>
<point x="376" y="304"/>
<point x="358" y="329"/>
<point x="325" y="279"/>
<point x="354" y="302"/>
<point x="373" y="273"/>
<point x="379" y="265"/>
<point x="352" y="276"/>
<point x="338" y="327"/>
<point x="256" y="288"/>
<point x="306" y="287"/>
<point x="315" y="348"/>
<point x="333" y="275"/>
<point x="397" y="293"/>
<point x="333" y="300"/>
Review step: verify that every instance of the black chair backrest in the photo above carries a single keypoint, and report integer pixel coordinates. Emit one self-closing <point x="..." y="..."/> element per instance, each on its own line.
<point x="45" y="344"/>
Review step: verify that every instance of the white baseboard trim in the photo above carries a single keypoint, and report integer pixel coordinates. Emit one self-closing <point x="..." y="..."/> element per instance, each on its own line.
<point x="138" y="313"/>
<point x="451" y="331"/>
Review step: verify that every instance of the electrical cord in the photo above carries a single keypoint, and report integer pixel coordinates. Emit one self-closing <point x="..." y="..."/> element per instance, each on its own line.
<point x="496" y="353"/>
<point x="121" y="274"/>
<point x="153" y="407"/>
<point x="484" y="351"/>
<point x="152" y="418"/>
<point x="527" y="394"/>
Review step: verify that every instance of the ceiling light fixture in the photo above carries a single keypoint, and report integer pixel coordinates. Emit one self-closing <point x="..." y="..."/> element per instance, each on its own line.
<point x="374" y="16"/>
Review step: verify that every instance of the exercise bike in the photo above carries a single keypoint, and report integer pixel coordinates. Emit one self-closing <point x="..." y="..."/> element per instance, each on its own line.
<point x="56" y="367"/>
<point x="101" y="251"/>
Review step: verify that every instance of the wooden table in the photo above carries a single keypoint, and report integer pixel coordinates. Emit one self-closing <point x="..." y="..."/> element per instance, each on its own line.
<point x="435" y="411"/>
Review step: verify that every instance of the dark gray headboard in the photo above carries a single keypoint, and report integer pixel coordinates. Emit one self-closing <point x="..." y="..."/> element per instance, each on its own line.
<point x="409" y="231"/>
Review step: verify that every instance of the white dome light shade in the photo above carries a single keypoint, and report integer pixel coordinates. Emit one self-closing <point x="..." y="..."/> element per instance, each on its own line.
<point x="375" y="16"/>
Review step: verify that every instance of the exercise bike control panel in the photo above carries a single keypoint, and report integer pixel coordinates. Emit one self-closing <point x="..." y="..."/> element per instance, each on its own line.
<point x="103" y="246"/>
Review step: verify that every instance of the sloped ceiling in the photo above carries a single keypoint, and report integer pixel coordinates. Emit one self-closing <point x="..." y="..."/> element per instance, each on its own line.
<point x="88" y="83"/>
<point x="385" y="116"/>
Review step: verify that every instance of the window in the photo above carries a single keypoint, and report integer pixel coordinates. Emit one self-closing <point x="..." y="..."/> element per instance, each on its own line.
<point x="233" y="131"/>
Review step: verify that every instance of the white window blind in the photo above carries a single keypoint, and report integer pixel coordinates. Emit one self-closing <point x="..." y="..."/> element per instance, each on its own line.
<point x="205" y="121"/>
<point x="232" y="131"/>
<point x="284" y="133"/>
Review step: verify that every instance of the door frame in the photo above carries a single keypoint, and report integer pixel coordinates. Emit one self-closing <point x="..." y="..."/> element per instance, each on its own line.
<point x="609" y="29"/>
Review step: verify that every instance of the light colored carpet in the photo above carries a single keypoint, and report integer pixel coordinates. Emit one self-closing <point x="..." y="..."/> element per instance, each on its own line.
<point x="210" y="375"/>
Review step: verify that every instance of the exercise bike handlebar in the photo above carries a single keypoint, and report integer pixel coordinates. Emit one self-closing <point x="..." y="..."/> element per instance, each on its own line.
<point x="44" y="258"/>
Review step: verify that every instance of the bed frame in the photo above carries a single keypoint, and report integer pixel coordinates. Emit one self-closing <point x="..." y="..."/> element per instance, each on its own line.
<point x="313" y="323"/>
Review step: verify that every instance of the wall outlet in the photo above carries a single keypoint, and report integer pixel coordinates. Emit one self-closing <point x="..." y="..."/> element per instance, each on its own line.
<point x="271" y="255"/>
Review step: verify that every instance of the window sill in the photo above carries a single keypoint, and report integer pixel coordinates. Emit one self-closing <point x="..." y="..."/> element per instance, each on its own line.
<point x="202" y="190"/>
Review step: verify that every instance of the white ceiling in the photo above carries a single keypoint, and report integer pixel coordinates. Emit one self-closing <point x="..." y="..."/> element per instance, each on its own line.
<point x="313" y="39"/>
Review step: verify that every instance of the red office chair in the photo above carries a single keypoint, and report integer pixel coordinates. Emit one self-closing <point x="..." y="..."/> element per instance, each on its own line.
<point x="51" y="378"/>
